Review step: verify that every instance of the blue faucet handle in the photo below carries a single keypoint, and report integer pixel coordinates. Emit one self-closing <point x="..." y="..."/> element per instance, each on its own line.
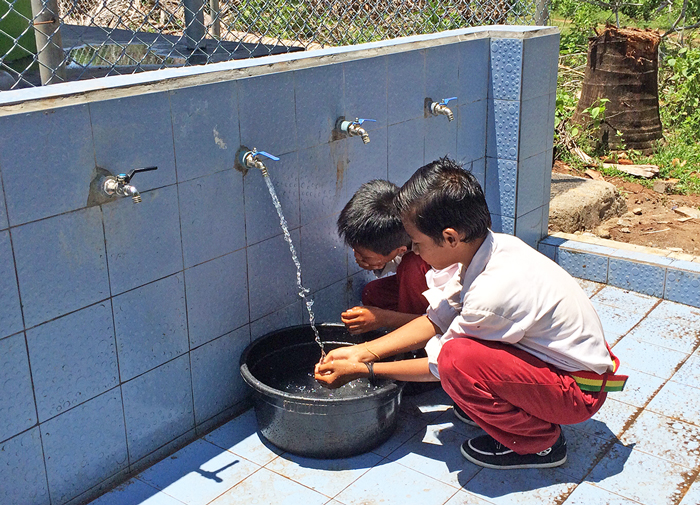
<point x="267" y="155"/>
<point x="360" y="121"/>
<point x="445" y="100"/>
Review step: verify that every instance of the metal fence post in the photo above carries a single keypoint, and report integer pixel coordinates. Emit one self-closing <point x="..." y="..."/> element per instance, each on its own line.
<point x="216" y="22"/>
<point x="541" y="12"/>
<point x="49" y="47"/>
<point x="194" y="24"/>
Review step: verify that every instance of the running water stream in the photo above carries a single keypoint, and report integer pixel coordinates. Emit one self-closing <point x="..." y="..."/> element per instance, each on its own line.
<point x="303" y="292"/>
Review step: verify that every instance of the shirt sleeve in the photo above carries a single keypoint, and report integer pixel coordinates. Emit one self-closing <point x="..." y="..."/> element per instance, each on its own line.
<point x="443" y="295"/>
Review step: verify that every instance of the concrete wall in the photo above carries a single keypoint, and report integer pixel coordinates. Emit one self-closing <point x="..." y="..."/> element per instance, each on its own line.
<point x="121" y="325"/>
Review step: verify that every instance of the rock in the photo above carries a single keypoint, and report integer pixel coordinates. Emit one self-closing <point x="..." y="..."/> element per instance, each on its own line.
<point x="602" y="232"/>
<point x="662" y="187"/>
<point x="687" y="212"/>
<point x="625" y="230"/>
<point x="582" y="204"/>
<point x="637" y="211"/>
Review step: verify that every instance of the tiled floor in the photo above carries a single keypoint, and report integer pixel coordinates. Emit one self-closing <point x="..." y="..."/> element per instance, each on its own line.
<point x="642" y="447"/>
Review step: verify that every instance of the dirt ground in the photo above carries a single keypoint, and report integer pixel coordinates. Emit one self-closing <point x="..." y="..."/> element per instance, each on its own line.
<point x="650" y="219"/>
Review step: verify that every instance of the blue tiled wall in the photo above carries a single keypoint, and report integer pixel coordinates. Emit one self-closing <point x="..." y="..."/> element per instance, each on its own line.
<point x="645" y="270"/>
<point x="121" y="325"/>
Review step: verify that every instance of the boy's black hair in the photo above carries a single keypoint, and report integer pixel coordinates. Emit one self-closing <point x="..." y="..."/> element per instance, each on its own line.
<point x="443" y="195"/>
<point x="370" y="219"/>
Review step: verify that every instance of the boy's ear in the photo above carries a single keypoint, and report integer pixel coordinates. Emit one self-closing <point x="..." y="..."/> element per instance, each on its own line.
<point x="400" y="250"/>
<point x="451" y="236"/>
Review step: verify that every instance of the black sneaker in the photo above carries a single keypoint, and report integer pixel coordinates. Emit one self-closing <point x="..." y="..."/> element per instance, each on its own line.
<point x="485" y="451"/>
<point x="462" y="416"/>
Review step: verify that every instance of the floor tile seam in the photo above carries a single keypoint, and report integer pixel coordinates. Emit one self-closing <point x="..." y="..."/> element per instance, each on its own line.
<point x="646" y="314"/>
<point x="695" y="479"/>
<point x="159" y="491"/>
<point x="455" y="494"/>
<point x="334" y="497"/>
<point x="643" y="341"/>
<point x="236" y="484"/>
<point x="456" y="488"/>
<point x="656" y="456"/>
<point x="608" y="491"/>
<point x="382" y="459"/>
<point x="224" y="449"/>
<point x="607" y="444"/>
<point x="674" y="419"/>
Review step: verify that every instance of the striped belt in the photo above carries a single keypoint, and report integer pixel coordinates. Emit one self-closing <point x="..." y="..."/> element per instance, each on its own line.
<point x="607" y="382"/>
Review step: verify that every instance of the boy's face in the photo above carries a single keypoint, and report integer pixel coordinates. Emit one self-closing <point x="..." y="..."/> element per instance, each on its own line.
<point x="370" y="260"/>
<point x="438" y="256"/>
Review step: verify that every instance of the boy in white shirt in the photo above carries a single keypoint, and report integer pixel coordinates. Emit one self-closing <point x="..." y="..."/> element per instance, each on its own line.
<point x="514" y="340"/>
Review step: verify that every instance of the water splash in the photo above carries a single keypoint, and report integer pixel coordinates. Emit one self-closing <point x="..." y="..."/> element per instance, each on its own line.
<point x="303" y="292"/>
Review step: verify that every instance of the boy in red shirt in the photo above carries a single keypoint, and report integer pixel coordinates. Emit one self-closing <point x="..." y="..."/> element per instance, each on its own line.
<point x="370" y="225"/>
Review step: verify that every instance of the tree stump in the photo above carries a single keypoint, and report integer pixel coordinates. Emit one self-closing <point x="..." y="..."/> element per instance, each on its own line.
<point x="623" y="67"/>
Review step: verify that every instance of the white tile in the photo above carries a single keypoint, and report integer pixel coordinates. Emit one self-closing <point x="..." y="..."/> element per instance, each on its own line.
<point x="240" y="436"/>
<point x="436" y="453"/>
<point x="198" y="473"/>
<point x="266" y="487"/>
<point x="665" y="438"/>
<point x="587" y="494"/>
<point x="639" y="389"/>
<point x="590" y="287"/>
<point x="624" y="299"/>
<point x="677" y="401"/>
<point x="610" y="421"/>
<point x="521" y="487"/>
<point x="396" y="485"/>
<point x="327" y="476"/>
<point x="135" y="492"/>
<point x="406" y="426"/>
<point x="648" y="358"/>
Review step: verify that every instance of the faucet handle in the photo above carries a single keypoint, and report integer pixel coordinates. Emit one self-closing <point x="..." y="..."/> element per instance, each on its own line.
<point x="267" y="155"/>
<point x="445" y="100"/>
<point x="127" y="177"/>
<point x="360" y="121"/>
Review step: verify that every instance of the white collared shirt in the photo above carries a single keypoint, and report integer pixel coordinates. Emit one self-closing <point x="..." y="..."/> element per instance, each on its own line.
<point x="512" y="293"/>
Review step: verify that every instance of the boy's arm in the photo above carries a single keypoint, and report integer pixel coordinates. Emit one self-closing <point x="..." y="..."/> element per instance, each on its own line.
<point x="367" y="318"/>
<point x="411" y="336"/>
<point x="334" y="374"/>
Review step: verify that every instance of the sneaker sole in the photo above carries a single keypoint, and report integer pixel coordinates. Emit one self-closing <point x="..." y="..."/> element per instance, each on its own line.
<point x="551" y="464"/>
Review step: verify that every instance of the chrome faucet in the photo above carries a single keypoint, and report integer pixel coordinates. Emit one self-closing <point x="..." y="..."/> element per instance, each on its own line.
<point x="437" y="108"/>
<point x="251" y="159"/>
<point x="354" y="129"/>
<point x="119" y="184"/>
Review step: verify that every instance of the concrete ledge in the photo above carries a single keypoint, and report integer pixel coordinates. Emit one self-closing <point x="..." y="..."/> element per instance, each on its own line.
<point x="655" y="272"/>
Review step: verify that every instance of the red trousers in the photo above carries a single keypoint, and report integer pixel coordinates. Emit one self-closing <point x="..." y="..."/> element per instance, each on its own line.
<point x="401" y="292"/>
<point x="515" y="397"/>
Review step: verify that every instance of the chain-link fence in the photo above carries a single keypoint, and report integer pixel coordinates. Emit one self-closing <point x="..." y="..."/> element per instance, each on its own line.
<point x="48" y="41"/>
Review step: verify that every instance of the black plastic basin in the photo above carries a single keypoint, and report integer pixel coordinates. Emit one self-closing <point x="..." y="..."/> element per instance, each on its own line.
<point x="297" y="415"/>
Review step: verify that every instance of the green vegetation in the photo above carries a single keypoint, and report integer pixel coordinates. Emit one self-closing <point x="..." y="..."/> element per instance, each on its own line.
<point x="678" y="156"/>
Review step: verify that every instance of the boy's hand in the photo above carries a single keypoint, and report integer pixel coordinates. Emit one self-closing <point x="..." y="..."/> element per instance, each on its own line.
<point x="333" y="373"/>
<point x="362" y="319"/>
